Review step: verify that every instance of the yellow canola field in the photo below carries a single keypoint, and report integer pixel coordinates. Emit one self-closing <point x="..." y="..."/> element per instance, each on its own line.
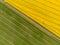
<point x="44" y="12"/>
